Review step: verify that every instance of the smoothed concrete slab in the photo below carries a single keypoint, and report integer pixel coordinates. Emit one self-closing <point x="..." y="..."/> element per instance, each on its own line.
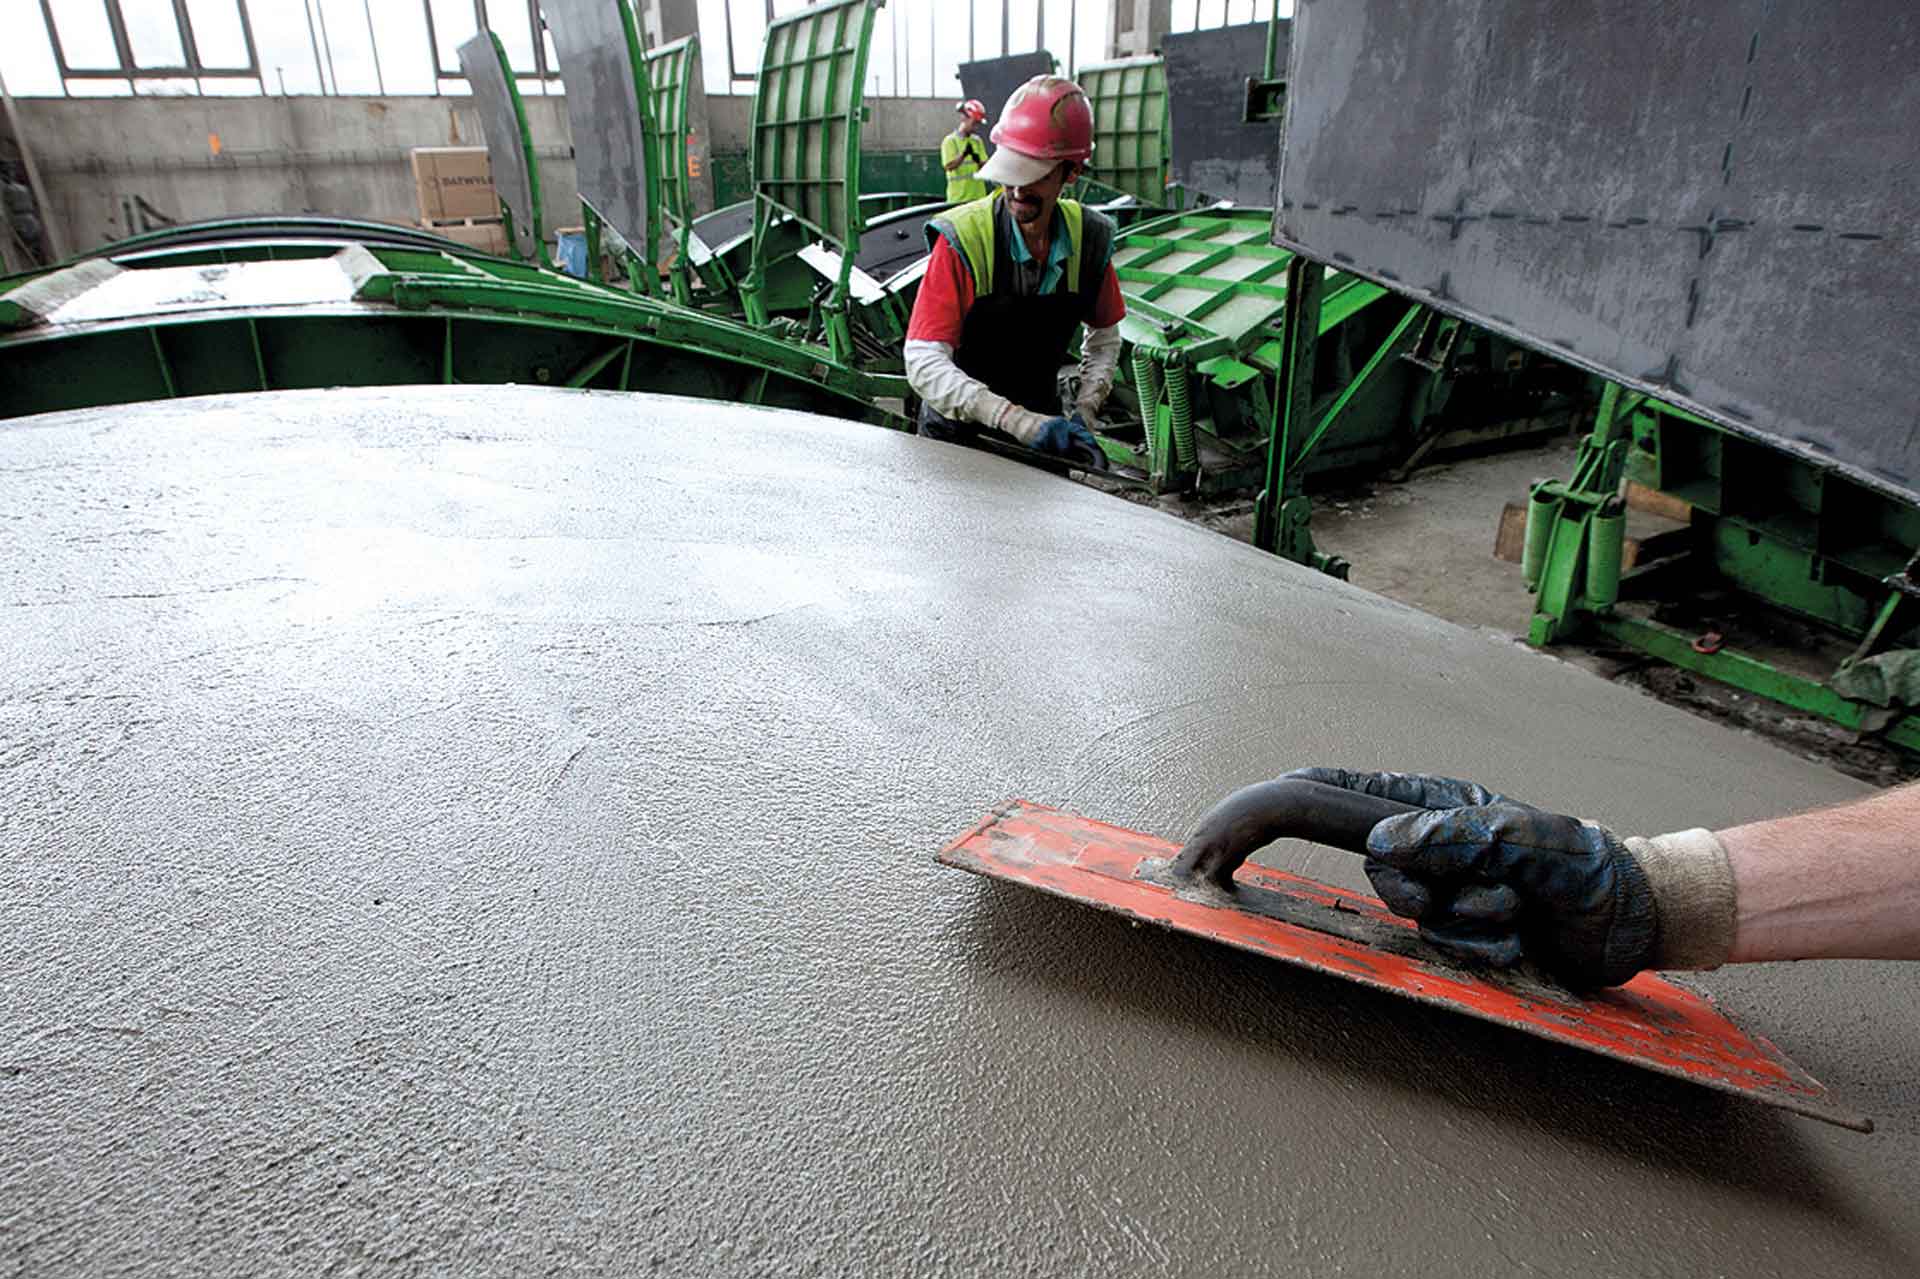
<point x="490" y="831"/>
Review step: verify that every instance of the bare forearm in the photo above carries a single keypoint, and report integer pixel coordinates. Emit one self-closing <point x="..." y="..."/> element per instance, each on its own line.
<point x="1841" y="883"/>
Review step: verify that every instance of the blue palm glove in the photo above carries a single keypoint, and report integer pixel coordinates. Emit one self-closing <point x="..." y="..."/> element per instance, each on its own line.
<point x="1070" y="438"/>
<point x="1489" y="879"/>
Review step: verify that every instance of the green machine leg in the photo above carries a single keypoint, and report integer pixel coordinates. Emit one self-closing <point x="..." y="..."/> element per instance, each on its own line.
<point x="1575" y="538"/>
<point x="1282" y="514"/>
<point x="1577" y="527"/>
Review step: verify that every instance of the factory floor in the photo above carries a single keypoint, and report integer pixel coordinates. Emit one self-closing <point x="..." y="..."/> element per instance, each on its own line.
<point x="1429" y="542"/>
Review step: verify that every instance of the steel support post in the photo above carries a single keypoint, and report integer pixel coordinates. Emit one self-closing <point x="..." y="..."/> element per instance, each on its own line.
<point x="1292" y="403"/>
<point x="1561" y="526"/>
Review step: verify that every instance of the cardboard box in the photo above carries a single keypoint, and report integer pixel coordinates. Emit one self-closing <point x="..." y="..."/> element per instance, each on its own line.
<point x="454" y="182"/>
<point x="488" y="237"/>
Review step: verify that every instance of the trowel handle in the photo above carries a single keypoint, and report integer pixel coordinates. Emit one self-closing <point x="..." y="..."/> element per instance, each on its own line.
<point x="1290" y="808"/>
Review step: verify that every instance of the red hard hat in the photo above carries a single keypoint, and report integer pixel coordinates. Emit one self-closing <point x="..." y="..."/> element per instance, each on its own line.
<point x="1047" y="118"/>
<point x="973" y="109"/>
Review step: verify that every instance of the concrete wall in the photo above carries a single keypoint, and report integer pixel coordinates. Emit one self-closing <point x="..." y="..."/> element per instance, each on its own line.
<point x="893" y="124"/>
<point x="103" y="158"/>
<point x="1137" y="26"/>
<point x="342" y="156"/>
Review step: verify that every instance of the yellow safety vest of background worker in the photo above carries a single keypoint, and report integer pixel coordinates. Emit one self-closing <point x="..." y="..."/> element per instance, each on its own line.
<point x="962" y="152"/>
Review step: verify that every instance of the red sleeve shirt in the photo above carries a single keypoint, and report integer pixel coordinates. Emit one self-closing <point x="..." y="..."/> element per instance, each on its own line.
<point x="946" y="293"/>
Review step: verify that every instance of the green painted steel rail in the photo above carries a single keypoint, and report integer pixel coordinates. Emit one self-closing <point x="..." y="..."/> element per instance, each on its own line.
<point x="97" y="334"/>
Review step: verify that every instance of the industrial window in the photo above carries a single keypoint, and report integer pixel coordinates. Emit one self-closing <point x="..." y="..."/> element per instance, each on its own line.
<point x="285" y="47"/>
<point x="150" y="44"/>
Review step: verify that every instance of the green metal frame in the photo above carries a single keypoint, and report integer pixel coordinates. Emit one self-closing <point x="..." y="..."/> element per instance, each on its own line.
<point x="391" y="317"/>
<point x="1131" y="126"/>
<point x="1801" y="538"/>
<point x="1267" y="96"/>
<point x="671" y="69"/>
<point x="535" y="205"/>
<point x="808" y="106"/>
<point x="1208" y="321"/>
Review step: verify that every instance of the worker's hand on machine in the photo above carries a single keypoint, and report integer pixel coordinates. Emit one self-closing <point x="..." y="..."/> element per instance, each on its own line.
<point x="1489" y="879"/>
<point x="1069" y="438"/>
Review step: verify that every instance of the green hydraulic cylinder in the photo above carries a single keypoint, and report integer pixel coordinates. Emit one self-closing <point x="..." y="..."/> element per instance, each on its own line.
<point x="1606" y="542"/>
<point x="1542" y="506"/>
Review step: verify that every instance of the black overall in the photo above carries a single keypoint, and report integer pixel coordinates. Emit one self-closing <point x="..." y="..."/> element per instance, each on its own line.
<point x="1015" y="339"/>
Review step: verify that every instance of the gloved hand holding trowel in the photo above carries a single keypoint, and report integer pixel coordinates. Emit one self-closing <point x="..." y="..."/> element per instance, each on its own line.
<point x="1491" y="880"/>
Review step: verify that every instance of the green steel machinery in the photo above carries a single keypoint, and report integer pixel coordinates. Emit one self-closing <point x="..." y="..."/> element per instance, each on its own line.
<point x="205" y="317"/>
<point x="1720" y="239"/>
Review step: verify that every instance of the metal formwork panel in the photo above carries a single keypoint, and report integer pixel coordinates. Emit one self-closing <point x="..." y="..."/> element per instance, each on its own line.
<point x="1703" y="202"/>
<point x="1214" y="150"/>
<point x="993" y="80"/>
<point x="1208" y="283"/>
<point x="1130" y="125"/>
<point x="613" y="152"/>
<point x="503" y="119"/>
<point x="670" y="72"/>
<point x="806" y="116"/>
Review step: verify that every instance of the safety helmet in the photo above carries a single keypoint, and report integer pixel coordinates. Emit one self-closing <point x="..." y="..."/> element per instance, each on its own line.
<point x="973" y="109"/>
<point x="1048" y="119"/>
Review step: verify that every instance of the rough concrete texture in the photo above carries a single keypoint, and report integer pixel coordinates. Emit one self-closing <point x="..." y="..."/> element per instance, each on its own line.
<point x="490" y="831"/>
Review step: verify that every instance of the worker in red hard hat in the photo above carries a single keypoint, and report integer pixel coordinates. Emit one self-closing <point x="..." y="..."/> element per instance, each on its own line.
<point x="1011" y="279"/>
<point x="962" y="152"/>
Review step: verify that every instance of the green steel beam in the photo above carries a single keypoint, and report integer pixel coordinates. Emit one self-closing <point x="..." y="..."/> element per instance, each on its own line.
<point x="1293" y="399"/>
<point x="397" y="316"/>
<point x="1755" y="676"/>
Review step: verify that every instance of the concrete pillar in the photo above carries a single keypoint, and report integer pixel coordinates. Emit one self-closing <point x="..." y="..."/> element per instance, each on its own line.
<point x="662" y="21"/>
<point x="1138" y="26"/>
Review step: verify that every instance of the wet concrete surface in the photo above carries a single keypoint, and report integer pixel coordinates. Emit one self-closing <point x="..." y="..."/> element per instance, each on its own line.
<point x="490" y="831"/>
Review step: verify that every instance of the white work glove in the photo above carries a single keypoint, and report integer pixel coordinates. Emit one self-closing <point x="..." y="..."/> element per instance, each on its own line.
<point x="1099" y="364"/>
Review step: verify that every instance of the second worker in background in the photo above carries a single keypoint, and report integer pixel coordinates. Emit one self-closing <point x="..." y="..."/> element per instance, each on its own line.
<point x="1011" y="279"/>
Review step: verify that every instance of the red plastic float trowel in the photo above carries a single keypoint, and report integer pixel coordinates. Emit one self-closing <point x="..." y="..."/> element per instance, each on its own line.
<point x="1649" y="1022"/>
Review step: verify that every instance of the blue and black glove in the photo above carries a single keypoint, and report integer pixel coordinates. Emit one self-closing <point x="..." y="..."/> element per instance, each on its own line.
<point x="1489" y="879"/>
<point x="1069" y="437"/>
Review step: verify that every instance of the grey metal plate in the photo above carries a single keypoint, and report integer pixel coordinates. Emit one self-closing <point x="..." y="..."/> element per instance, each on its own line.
<point x="1215" y="152"/>
<point x="1706" y="202"/>
<point x="725" y="224"/>
<point x="993" y="80"/>
<point x="892" y="243"/>
<point x="603" y="106"/>
<point x="493" y="98"/>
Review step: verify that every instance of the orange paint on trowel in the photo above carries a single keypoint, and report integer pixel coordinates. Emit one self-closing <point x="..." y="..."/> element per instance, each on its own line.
<point x="1649" y="1022"/>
